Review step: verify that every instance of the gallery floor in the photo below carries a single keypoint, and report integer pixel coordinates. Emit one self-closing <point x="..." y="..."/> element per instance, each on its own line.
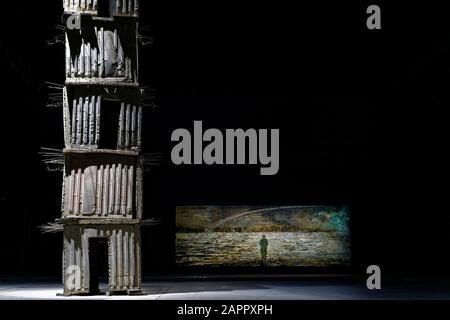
<point x="282" y="289"/>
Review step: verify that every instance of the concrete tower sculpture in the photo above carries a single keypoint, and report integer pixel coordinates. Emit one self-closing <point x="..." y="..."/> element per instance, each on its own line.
<point x="103" y="167"/>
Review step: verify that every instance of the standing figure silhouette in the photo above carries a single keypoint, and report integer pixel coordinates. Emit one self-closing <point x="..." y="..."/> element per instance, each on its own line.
<point x="263" y="244"/>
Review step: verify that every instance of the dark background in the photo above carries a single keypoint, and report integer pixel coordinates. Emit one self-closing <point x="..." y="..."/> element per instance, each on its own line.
<point x="362" y="116"/>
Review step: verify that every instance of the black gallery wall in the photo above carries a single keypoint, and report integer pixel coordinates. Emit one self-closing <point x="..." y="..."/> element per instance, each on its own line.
<point x="360" y="113"/>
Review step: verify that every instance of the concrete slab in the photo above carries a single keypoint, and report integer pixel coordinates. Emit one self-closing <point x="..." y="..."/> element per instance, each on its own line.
<point x="241" y="290"/>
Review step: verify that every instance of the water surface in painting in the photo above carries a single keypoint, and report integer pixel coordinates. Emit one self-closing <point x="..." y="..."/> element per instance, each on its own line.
<point x="308" y="236"/>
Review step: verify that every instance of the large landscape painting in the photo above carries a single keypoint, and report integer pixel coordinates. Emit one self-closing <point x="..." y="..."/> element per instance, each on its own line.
<point x="303" y="236"/>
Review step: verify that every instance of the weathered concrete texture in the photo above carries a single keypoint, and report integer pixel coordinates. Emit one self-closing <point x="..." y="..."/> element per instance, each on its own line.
<point x="103" y="171"/>
<point x="101" y="189"/>
<point x="102" y="49"/>
<point x="84" y="122"/>
<point x="124" y="255"/>
<point x="118" y="7"/>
